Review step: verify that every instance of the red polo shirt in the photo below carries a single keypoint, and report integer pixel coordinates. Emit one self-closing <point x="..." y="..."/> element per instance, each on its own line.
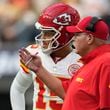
<point x="89" y="89"/>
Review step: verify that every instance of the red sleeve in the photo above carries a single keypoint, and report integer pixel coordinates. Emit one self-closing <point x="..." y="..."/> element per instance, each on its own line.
<point x="66" y="84"/>
<point x="104" y="88"/>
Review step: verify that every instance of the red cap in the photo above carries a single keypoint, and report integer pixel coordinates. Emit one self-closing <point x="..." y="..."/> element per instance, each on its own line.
<point x="101" y="28"/>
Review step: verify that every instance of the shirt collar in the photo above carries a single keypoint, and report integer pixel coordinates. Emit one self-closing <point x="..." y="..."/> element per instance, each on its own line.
<point x="95" y="53"/>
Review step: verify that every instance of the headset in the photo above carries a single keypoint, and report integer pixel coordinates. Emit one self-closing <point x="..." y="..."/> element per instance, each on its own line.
<point x="92" y="24"/>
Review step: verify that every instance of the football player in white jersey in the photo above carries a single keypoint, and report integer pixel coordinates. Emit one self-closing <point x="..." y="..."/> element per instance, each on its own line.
<point x="57" y="55"/>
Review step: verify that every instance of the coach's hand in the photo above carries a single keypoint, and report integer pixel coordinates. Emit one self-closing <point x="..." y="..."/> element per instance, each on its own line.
<point x="33" y="62"/>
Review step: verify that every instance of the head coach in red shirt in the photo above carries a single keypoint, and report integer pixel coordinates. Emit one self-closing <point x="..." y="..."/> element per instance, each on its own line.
<point x="90" y="87"/>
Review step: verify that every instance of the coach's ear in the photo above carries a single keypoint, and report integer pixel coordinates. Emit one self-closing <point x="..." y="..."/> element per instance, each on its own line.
<point x="91" y="39"/>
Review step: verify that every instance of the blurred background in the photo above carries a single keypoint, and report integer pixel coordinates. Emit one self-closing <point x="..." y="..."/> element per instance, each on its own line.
<point x="17" y="19"/>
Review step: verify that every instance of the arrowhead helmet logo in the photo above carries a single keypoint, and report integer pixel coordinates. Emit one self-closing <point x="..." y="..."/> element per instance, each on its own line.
<point x="63" y="19"/>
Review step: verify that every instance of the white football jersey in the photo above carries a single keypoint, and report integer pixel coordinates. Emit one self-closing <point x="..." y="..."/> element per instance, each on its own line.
<point x="43" y="98"/>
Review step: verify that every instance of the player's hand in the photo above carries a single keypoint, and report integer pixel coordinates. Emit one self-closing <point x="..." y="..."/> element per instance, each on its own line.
<point x="33" y="62"/>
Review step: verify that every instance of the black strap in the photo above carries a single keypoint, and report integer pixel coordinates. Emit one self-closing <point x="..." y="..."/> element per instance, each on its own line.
<point x="92" y="24"/>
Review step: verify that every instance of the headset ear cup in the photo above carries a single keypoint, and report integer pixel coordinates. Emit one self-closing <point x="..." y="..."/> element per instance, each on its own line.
<point x="90" y="27"/>
<point x="92" y="24"/>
